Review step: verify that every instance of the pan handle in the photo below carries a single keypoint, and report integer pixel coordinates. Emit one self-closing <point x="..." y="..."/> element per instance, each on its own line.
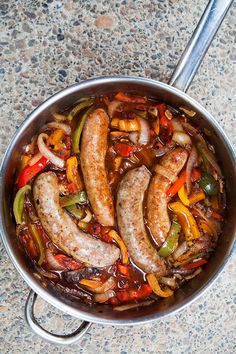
<point x="199" y="43"/>
<point x="53" y="338"/>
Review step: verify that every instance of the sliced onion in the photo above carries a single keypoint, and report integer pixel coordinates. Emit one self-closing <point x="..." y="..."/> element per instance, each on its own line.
<point x="35" y="159"/>
<point x="177" y="125"/>
<point x="168" y="281"/>
<point x="57" y="161"/>
<point x="46" y="274"/>
<point x="108" y="285"/>
<point x="88" y="216"/>
<point x="181" y="138"/>
<point x="189" y="128"/>
<point x="180" y="250"/>
<point x="57" y="125"/>
<point x="144" y="134"/>
<point x="134" y="137"/>
<point x="190" y="164"/>
<point x="162" y="151"/>
<point x="209" y="155"/>
<point x="132" y="306"/>
<point x="59" y="117"/>
<point x="101" y="298"/>
<point x="112" y="107"/>
<point x="52" y="262"/>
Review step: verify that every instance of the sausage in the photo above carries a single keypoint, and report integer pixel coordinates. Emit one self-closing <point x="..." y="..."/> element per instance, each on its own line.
<point x="93" y="152"/>
<point x="63" y="231"/>
<point x="157" y="210"/>
<point x="129" y="210"/>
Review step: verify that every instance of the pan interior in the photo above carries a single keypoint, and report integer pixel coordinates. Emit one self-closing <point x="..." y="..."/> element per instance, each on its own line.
<point x="104" y="86"/>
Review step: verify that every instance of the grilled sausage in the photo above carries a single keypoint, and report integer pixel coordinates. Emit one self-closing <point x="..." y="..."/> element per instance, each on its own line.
<point x="129" y="209"/>
<point x="93" y="152"/>
<point x="157" y="213"/>
<point x="63" y="231"/>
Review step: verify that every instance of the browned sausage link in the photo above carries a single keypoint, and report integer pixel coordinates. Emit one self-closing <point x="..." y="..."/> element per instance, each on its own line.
<point x="63" y="231"/>
<point x="130" y="221"/>
<point x="157" y="211"/>
<point x="93" y="152"/>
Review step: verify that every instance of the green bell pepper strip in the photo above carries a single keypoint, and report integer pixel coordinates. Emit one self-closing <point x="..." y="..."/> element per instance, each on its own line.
<point x="76" y="212"/>
<point x="77" y="133"/>
<point x="79" y="198"/>
<point x="18" y="204"/>
<point x="209" y="184"/>
<point x="38" y="240"/>
<point x="85" y="103"/>
<point x="170" y="243"/>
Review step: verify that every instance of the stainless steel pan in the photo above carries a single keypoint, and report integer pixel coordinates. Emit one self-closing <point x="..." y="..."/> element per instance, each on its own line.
<point x="175" y="95"/>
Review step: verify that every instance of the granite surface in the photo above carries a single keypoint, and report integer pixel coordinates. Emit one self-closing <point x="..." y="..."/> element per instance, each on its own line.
<point x="48" y="45"/>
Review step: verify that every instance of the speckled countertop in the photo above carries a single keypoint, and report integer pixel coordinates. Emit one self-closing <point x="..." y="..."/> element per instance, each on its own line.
<point x="48" y="45"/>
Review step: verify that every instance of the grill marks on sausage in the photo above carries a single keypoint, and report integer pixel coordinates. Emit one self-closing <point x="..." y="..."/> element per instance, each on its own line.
<point x="63" y="231"/>
<point x="129" y="209"/>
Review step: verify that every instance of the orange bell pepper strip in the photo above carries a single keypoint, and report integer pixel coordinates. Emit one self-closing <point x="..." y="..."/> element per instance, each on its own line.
<point x="55" y="139"/>
<point x="195" y="198"/>
<point x="196" y="175"/>
<point x="177" y="185"/>
<point x="216" y="215"/>
<point x="72" y="173"/>
<point x="128" y="125"/>
<point x="153" y="282"/>
<point x="123" y="269"/>
<point x="122" y="97"/>
<point x="124" y="253"/>
<point x="186" y="220"/>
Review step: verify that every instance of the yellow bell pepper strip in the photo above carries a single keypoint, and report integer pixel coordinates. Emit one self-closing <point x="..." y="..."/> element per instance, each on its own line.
<point x="182" y="193"/>
<point x="153" y="282"/>
<point x="128" y="125"/>
<point x="192" y="199"/>
<point x="79" y="198"/>
<point x="55" y="139"/>
<point x="156" y="126"/>
<point x="93" y="284"/>
<point x="72" y="173"/>
<point x="76" y="212"/>
<point x="38" y="241"/>
<point x="172" y="240"/>
<point x="117" y="163"/>
<point x="18" y="204"/>
<point x="78" y="131"/>
<point x="186" y="220"/>
<point x="195" y="198"/>
<point x="124" y="253"/>
<point x="83" y="104"/>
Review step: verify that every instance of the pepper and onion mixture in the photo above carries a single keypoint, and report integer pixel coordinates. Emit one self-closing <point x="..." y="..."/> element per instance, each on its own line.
<point x="141" y="131"/>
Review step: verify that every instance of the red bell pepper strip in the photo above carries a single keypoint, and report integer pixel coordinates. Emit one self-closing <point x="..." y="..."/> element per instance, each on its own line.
<point x="67" y="262"/>
<point x="196" y="175"/>
<point x="123" y="269"/>
<point x="134" y="294"/>
<point x="31" y="171"/>
<point x="123" y="150"/>
<point x="195" y="264"/>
